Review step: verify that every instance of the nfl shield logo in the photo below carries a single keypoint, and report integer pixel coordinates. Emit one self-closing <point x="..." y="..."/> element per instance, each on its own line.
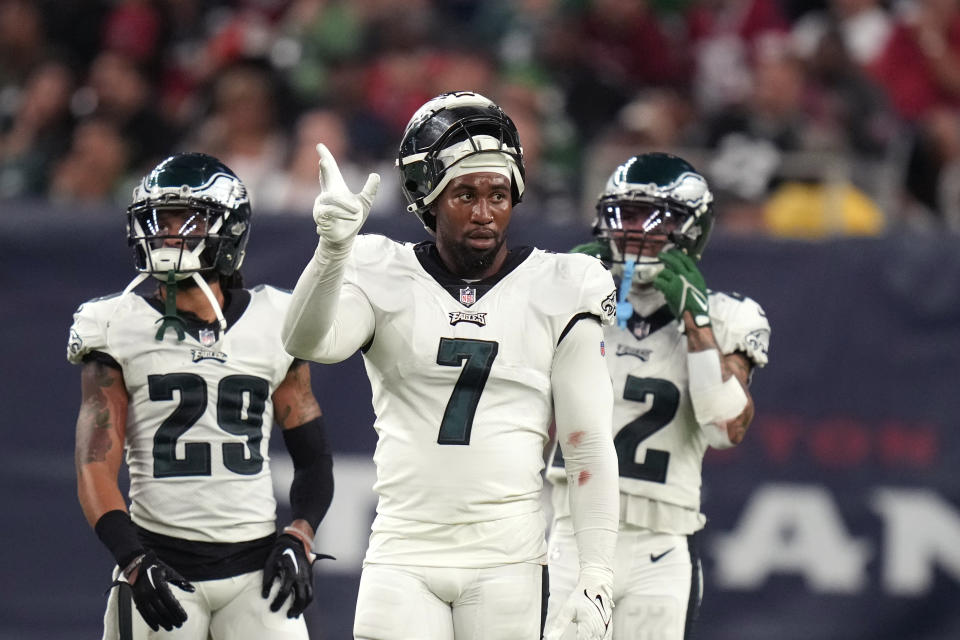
<point x="468" y="295"/>
<point x="641" y="330"/>
<point x="207" y="337"/>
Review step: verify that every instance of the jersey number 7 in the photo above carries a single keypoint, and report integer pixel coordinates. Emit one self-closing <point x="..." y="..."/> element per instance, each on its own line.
<point x="462" y="406"/>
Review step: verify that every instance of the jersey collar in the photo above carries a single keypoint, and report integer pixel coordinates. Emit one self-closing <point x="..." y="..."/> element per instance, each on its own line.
<point x="429" y="258"/>
<point x="235" y="302"/>
<point x="643" y="326"/>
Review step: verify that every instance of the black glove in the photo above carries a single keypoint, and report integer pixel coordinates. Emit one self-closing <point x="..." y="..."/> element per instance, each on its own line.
<point x="288" y="563"/>
<point x="150" y="581"/>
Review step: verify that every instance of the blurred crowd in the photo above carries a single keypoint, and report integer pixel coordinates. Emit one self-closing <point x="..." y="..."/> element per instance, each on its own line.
<point x="809" y="118"/>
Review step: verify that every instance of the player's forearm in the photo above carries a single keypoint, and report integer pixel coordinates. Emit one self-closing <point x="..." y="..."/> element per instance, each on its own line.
<point x="98" y="492"/>
<point x="313" y="306"/>
<point x="583" y="403"/>
<point x="594" y="500"/>
<point x="98" y="446"/>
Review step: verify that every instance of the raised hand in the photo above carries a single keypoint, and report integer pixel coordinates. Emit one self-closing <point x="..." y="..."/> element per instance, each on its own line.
<point x="683" y="286"/>
<point x="338" y="212"/>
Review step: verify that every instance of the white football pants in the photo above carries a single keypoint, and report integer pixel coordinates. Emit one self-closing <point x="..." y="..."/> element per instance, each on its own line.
<point x="226" y="609"/>
<point x="657" y="582"/>
<point x="438" y="603"/>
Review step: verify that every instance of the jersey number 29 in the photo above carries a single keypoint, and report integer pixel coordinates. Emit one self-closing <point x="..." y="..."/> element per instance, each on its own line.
<point x="232" y="416"/>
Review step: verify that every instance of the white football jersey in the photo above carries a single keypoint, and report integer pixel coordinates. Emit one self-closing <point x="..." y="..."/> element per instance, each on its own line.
<point x="200" y="412"/>
<point x="460" y="376"/>
<point x="659" y="444"/>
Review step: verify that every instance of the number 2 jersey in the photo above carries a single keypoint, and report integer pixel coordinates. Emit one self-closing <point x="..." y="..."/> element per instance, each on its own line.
<point x="460" y="379"/>
<point x="200" y="411"/>
<point x="659" y="444"/>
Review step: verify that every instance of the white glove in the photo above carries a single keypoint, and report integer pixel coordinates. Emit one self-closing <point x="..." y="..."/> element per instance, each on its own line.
<point x="338" y="212"/>
<point x="590" y="606"/>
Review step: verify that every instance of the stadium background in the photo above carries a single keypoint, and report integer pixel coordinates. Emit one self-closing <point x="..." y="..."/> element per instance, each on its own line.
<point x="837" y="205"/>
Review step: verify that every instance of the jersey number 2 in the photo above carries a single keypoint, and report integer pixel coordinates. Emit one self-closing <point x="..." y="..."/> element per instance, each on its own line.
<point x="458" y="416"/>
<point x="662" y="398"/>
<point x="232" y="417"/>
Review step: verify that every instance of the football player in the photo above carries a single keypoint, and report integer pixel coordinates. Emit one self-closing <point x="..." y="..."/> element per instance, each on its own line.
<point x="680" y="357"/>
<point x="187" y="382"/>
<point x="471" y="349"/>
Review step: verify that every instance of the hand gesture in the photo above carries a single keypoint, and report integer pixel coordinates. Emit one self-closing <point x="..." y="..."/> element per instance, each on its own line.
<point x="149" y="580"/>
<point x="683" y="286"/>
<point x="288" y="563"/>
<point x="590" y="607"/>
<point x="338" y="212"/>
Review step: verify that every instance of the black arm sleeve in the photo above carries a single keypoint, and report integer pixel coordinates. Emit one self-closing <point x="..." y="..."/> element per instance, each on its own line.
<point x="117" y="532"/>
<point x="312" y="487"/>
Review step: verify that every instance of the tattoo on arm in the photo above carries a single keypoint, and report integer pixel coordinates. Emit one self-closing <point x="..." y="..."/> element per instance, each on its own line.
<point x="95" y="420"/>
<point x="739" y="366"/>
<point x="293" y="401"/>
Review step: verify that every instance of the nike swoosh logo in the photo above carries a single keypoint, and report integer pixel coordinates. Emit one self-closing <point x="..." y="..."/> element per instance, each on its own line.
<point x="656" y="558"/>
<point x="293" y="558"/>
<point x="597" y="601"/>
<point x="150" y="570"/>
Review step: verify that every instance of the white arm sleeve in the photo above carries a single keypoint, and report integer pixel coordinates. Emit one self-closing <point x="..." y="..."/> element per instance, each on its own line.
<point x="583" y="409"/>
<point x="326" y="321"/>
<point x="715" y="401"/>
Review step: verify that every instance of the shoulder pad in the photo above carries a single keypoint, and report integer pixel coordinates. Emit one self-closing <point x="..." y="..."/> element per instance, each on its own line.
<point x="597" y="293"/>
<point x="89" y="329"/>
<point x="740" y="324"/>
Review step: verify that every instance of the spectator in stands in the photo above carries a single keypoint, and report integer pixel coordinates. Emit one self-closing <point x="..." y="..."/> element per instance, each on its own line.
<point x="95" y="167"/>
<point x="35" y="137"/>
<point x="862" y="25"/>
<point x="23" y="40"/>
<point x="294" y="188"/>
<point x="122" y="93"/>
<point x="605" y="54"/>
<point x="725" y="38"/>
<point x="920" y="64"/>
<point x="242" y="128"/>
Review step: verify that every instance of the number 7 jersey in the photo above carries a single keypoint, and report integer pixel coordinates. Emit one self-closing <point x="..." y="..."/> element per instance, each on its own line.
<point x="460" y="375"/>
<point x="660" y="446"/>
<point x="200" y="413"/>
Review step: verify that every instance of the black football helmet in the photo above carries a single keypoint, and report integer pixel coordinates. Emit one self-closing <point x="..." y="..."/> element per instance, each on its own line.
<point x="445" y="131"/>
<point x="215" y="233"/>
<point x="662" y="195"/>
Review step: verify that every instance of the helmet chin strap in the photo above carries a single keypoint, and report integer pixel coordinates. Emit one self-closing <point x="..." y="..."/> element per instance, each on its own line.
<point x="213" y="300"/>
<point x="170" y="317"/>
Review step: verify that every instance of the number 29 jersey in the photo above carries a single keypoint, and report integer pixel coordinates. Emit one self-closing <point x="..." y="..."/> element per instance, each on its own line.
<point x="660" y="446"/>
<point x="199" y="414"/>
<point x="460" y="379"/>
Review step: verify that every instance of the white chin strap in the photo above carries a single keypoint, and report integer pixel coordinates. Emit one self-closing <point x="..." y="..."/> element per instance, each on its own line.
<point x="213" y="300"/>
<point x="184" y="264"/>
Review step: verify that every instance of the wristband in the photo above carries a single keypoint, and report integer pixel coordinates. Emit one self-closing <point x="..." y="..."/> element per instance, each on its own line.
<point x="302" y="537"/>
<point x="115" y="529"/>
<point x="714" y="400"/>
